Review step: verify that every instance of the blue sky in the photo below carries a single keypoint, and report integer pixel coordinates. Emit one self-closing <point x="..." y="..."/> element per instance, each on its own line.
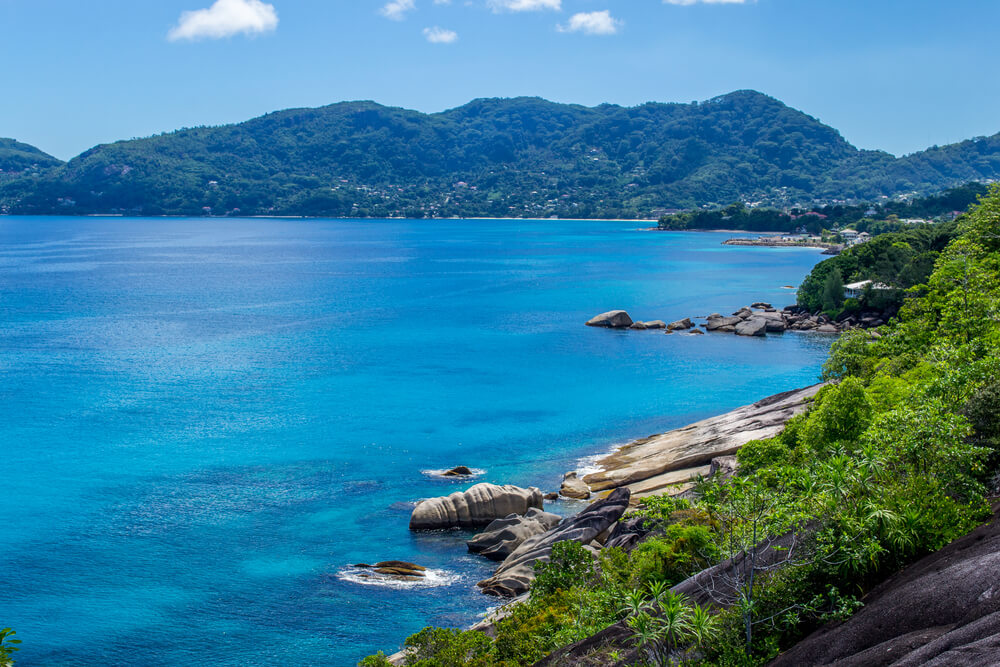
<point x="898" y="75"/>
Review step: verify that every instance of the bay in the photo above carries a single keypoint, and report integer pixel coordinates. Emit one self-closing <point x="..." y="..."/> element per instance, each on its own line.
<point x="206" y="421"/>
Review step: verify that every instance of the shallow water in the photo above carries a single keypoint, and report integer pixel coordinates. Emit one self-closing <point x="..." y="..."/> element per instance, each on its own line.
<point x="206" y="421"/>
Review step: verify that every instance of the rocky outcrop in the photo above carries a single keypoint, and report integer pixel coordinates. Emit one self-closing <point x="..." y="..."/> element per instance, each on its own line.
<point x="574" y="487"/>
<point x="613" y="319"/>
<point x="685" y="451"/>
<point x="722" y="323"/>
<point x="458" y="471"/>
<point x="515" y="574"/>
<point x="944" y="610"/>
<point x="397" y="569"/>
<point x="656" y="324"/>
<point x="681" y="325"/>
<point x="474" y="508"/>
<point x="503" y="536"/>
<point x="754" y="326"/>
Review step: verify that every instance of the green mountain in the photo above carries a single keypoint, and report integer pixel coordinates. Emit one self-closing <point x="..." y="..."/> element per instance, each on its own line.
<point x="493" y="157"/>
<point x="16" y="157"/>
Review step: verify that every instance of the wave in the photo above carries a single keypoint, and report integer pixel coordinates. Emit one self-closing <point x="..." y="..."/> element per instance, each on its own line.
<point x="366" y="577"/>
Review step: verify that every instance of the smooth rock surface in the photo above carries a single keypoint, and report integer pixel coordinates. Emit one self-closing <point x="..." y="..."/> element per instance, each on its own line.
<point x="574" y="487"/>
<point x="613" y="319"/>
<point x="715" y="323"/>
<point x="699" y="443"/>
<point x="680" y="325"/>
<point x="944" y="610"/>
<point x="515" y="574"/>
<point x="503" y="536"/>
<point x="755" y="326"/>
<point x="476" y="507"/>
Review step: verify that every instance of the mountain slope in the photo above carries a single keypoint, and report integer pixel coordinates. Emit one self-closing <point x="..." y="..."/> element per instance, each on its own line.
<point x="16" y="157"/>
<point x="522" y="156"/>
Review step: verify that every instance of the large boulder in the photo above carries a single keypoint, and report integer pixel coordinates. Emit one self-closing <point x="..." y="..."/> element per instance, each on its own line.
<point x="613" y="319"/>
<point x="515" y="574"/>
<point x="681" y="325"/>
<point x="638" y="325"/>
<point x="755" y="326"/>
<point x="656" y="324"/>
<point x="574" y="487"/>
<point x="503" y="536"/>
<point x="476" y="507"/>
<point x="827" y="328"/>
<point x="715" y="323"/>
<point x="944" y="610"/>
<point x="775" y="326"/>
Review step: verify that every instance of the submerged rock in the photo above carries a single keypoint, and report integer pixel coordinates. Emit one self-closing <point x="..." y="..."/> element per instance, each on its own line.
<point x="503" y="536"/>
<point x="574" y="487"/>
<point x="396" y="568"/>
<point x="458" y="471"/>
<point x="515" y="574"/>
<point x="475" y="507"/>
<point x="613" y="319"/>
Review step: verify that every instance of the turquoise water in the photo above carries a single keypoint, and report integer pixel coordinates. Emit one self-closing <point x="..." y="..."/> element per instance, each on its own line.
<point x="205" y="421"/>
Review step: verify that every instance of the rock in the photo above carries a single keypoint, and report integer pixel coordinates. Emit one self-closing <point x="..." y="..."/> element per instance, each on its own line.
<point x="827" y="328"/>
<point x="503" y="536"/>
<point x="551" y="495"/>
<point x="755" y="326"/>
<point x="943" y="610"/>
<point x="475" y="507"/>
<point x="627" y="533"/>
<point x="715" y="323"/>
<point x="613" y="319"/>
<point x="458" y="471"/>
<point x="656" y="324"/>
<point x="696" y="332"/>
<point x="681" y="325"/>
<point x="713" y="316"/>
<point x="743" y="313"/>
<point x="637" y="325"/>
<point x="396" y="568"/>
<point x="697" y="444"/>
<point x="763" y="305"/>
<point x="668" y="332"/>
<point x="515" y="574"/>
<point x="574" y="487"/>
<point x="775" y="326"/>
<point x="723" y="467"/>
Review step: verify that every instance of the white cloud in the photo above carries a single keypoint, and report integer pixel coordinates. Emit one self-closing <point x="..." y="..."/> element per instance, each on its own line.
<point x="225" y="18"/>
<point x="592" y="23"/>
<point x="524" y="5"/>
<point x="397" y="9"/>
<point x="706" y="2"/>
<point x="438" y="35"/>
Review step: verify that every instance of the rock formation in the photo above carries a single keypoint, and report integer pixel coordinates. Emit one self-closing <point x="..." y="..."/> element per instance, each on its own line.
<point x="503" y="536"/>
<point x="754" y="326"/>
<point x="574" y="487"/>
<point x="475" y="507"/>
<point x="613" y="319"/>
<point x="660" y="460"/>
<point x="515" y="574"/>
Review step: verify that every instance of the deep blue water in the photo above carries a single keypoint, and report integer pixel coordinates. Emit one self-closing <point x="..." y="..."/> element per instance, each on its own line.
<point x="205" y="421"/>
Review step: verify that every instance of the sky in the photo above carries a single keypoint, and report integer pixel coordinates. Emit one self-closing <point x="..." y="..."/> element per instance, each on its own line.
<point x="894" y="75"/>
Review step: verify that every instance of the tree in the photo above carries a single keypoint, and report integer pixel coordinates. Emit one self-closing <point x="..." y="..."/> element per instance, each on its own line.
<point x="833" y="291"/>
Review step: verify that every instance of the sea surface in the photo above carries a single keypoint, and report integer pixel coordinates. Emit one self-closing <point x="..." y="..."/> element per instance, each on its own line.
<point x="204" y="422"/>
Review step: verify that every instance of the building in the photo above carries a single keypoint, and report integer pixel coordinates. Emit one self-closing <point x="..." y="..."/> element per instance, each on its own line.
<point x="856" y="290"/>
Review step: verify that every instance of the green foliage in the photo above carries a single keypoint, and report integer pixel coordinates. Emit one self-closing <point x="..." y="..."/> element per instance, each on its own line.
<point x="445" y="647"/>
<point x="758" y="454"/>
<point x="841" y="415"/>
<point x="493" y="157"/>
<point x="8" y="647"/>
<point x="683" y="550"/>
<point x="570" y="565"/>
<point x="833" y="292"/>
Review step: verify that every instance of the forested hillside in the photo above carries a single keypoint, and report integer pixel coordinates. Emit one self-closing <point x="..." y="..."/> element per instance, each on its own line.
<point x="493" y="157"/>
<point x="15" y="157"/>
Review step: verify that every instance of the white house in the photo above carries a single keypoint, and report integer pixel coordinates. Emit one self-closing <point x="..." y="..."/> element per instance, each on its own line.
<point x="855" y="290"/>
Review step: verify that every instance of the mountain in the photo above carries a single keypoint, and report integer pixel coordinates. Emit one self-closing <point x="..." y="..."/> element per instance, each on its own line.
<point x="17" y="157"/>
<point x="493" y="157"/>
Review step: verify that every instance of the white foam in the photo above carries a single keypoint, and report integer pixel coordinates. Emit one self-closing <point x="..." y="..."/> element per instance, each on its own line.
<point x="366" y="577"/>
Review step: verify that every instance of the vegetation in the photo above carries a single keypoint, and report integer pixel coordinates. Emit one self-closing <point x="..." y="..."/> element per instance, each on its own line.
<point x="896" y="458"/>
<point x="8" y="647"/>
<point x="873" y="218"/>
<point x="896" y="260"/>
<point x="492" y="157"/>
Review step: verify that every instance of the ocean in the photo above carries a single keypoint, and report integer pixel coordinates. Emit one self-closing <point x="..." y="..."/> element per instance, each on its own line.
<point x="207" y="421"/>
